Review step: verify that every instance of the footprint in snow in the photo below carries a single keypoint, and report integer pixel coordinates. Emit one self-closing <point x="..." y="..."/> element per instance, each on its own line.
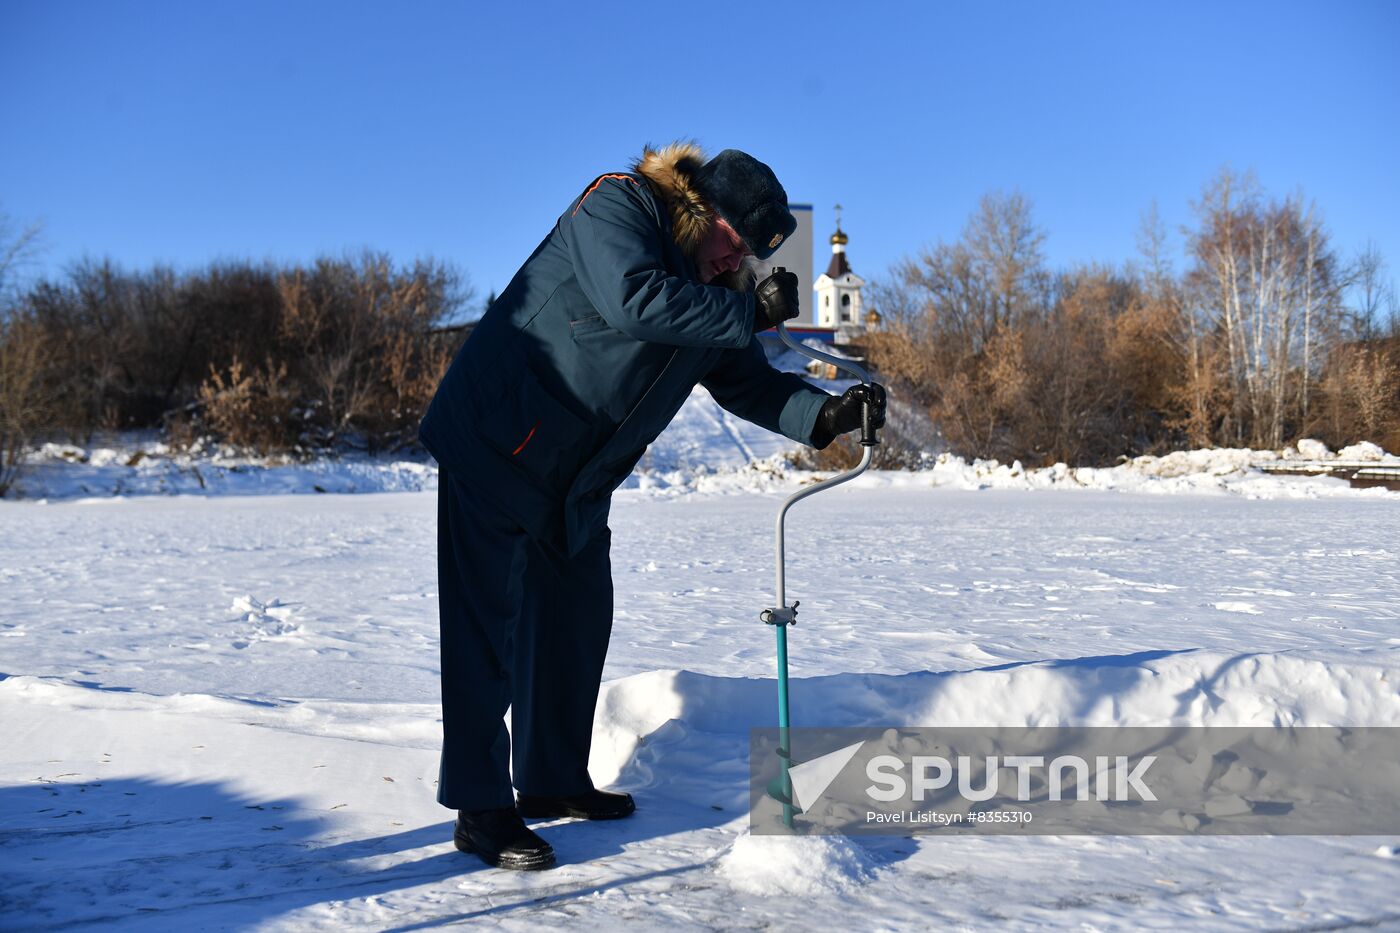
<point x="268" y="620"/>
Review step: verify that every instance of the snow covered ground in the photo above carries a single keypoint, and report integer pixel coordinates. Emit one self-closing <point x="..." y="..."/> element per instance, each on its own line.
<point x="220" y="711"/>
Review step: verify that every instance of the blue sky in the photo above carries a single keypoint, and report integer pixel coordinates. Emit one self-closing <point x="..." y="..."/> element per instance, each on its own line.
<point x="185" y="132"/>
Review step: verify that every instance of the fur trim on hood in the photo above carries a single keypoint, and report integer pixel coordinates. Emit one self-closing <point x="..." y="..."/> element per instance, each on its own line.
<point x="669" y="171"/>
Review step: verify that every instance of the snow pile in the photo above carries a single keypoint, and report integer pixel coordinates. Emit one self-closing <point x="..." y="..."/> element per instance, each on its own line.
<point x="707" y="451"/>
<point x="141" y="468"/>
<point x="689" y="733"/>
<point x="1211" y="471"/>
<point x="1309" y="449"/>
<point x="1205" y="471"/>
<point x="1363" y="451"/>
<point x="802" y="865"/>
<point x="1161" y="688"/>
<point x="1316" y="451"/>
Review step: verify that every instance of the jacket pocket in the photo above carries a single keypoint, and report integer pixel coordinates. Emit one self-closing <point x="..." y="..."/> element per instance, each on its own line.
<point x="536" y="433"/>
<point x="588" y="324"/>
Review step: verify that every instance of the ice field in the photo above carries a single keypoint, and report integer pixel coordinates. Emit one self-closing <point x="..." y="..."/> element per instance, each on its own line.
<point x="220" y="711"/>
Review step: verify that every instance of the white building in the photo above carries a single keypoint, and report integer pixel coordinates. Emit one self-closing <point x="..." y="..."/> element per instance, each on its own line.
<point x="838" y="293"/>
<point x="795" y="255"/>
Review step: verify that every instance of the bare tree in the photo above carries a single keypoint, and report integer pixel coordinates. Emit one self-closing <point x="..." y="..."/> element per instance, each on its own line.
<point x="19" y="247"/>
<point x="1265" y="277"/>
<point x="1005" y="247"/>
<point x="23" y="399"/>
<point x="1372" y="294"/>
<point x="963" y="292"/>
<point x="1184" y="338"/>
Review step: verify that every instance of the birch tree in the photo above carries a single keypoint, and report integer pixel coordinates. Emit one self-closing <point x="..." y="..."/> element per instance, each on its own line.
<point x="1266" y="278"/>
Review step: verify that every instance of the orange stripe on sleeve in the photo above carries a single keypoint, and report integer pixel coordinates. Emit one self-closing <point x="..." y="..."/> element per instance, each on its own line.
<point x="594" y="187"/>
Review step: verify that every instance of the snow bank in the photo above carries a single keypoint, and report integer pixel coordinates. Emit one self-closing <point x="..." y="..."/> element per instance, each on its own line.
<point x="1157" y="688"/>
<point x="1213" y="471"/>
<point x="1363" y="451"/>
<point x="1209" y="471"/>
<point x="705" y="451"/>
<point x="133" y="468"/>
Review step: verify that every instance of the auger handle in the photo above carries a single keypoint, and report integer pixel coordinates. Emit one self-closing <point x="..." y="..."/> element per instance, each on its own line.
<point x="781" y="616"/>
<point x="867" y="426"/>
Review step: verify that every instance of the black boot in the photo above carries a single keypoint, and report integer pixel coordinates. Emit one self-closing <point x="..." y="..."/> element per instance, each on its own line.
<point x="501" y="839"/>
<point x="589" y="805"/>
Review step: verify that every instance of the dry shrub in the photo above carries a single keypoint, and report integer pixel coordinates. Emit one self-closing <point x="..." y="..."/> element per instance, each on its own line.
<point x="1072" y="396"/>
<point x="1199" y="400"/>
<point x="412" y="370"/>
<point x="1360" y="395"/>
<point x="252" y="410"/>
<point x="978" y="394"/>
<point x="24" y="399"/>
<point x="350" y="346"/>
<point x="181" y="427"/>
<point x="362" y="347"/>
<point x="906" y="354"/>
<point x="1084" y="378"/>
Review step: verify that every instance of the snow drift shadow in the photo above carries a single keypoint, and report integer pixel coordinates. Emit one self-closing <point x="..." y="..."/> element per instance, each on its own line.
<point x="194" y="855"/>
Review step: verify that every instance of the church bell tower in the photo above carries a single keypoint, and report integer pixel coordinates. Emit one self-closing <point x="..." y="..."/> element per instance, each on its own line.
<point x="838" y="291"/>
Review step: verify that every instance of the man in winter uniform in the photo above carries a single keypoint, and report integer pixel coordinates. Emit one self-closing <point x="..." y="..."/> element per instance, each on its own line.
<point x="637" y="294"/>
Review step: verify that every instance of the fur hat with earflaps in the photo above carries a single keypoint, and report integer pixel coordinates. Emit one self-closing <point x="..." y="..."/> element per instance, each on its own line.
<point x="672" y="170"/>
<point x="746" y="193"/>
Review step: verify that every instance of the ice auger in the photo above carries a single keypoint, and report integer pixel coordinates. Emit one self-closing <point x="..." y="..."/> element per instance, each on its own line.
<point x="784" y="615"/>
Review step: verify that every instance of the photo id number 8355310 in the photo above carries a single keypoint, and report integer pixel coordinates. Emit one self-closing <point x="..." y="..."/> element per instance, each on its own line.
<point x="999" y="816"/>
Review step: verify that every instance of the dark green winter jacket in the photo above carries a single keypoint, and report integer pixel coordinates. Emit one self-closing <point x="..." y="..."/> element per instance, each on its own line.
<point x="592" y="349"/>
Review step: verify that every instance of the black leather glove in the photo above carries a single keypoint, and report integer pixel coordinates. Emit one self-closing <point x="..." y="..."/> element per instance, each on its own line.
<point x="840" y="414"/>
<point x="775" y="301"/>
